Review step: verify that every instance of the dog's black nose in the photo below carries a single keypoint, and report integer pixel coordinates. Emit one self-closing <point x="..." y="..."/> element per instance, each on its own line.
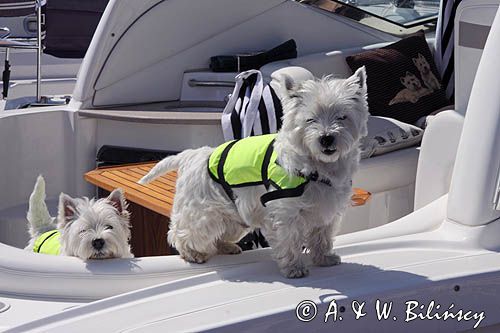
<point x="98" y="243"/>
<point x="326" y="140"/>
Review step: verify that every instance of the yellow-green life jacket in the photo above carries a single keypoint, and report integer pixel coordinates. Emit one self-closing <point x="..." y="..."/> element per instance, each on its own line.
<point x="48" y="243"/>
<point x="252" y="161"/>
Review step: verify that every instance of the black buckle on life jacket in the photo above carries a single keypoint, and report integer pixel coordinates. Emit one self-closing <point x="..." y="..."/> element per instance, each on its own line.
<point x="314" y="177"/>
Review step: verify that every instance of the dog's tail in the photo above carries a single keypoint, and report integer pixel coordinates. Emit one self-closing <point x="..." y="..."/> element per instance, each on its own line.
<point x="167" y="164"/>
<point x="38" y="215"/>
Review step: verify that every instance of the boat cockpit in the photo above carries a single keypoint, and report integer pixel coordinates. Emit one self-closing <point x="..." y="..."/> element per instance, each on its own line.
<point x="145" y="82"/>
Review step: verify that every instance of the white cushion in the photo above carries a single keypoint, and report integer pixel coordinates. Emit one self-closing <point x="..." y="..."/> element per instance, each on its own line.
<point x="387" y="134"/>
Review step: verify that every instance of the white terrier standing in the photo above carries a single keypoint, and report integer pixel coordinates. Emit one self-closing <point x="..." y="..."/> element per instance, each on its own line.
<point x="296" y="191"/>
<point x="84" y="228"/>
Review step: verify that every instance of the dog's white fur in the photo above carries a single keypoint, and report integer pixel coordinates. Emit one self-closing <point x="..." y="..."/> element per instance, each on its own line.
<point x="204" y="221"/>
<point x="81" y="221"/>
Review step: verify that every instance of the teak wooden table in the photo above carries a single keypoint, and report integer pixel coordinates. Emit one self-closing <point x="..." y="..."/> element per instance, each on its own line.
<point x="150" y="205"/>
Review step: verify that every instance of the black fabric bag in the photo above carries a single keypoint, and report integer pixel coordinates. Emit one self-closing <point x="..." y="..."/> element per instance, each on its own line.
<point x="70" y="25"/>
<point x="239" y="63"/>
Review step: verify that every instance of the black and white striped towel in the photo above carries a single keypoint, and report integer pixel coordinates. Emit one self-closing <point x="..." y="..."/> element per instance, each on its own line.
<point x="253" y="108"/>
<point x="445" y="48"/>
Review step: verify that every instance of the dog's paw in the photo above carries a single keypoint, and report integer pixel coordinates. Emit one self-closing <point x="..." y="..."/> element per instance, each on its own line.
<point x="194" y="257"/>
<point x="228" y="248"/>
<point x="294" y="272"/>
<point x="328" y="260"/>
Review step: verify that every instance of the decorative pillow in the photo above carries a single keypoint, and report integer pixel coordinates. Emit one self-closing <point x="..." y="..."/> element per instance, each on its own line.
<point x="387" y="134"/>
<point x="402" y="79"/>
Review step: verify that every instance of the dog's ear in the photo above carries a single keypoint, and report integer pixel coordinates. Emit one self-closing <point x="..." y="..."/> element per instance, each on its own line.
<point x="288" y="87"/>
<point x="117" y="199"/>
<point x="359" y="79"/>
<point x="67" y="210"/>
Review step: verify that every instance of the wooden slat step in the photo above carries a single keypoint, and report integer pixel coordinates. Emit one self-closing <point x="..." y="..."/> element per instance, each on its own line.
<point x="157" y="196"/>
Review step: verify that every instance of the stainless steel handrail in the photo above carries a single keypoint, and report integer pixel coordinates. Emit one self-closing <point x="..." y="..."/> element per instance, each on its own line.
<point x="5" y="31"/>
<point x="198" y="83"/>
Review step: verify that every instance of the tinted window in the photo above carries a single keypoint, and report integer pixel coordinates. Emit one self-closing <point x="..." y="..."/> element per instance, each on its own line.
<point x="393" y="16"/>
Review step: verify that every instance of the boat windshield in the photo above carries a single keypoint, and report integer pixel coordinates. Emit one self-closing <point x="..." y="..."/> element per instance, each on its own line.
<point x="403" y="15"/>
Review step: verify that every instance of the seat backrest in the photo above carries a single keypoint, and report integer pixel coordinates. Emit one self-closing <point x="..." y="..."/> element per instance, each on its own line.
<point x="473" y="21"/>
<point x="437" y="157"/>
<point x="319" y="64"/>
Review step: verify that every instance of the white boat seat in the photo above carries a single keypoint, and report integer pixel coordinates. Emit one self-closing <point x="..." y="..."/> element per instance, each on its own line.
<point x="398" y="169"/>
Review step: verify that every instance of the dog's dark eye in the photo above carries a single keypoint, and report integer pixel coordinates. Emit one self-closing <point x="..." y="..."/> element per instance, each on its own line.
<point x="341" y="118"/>
<point x="82" y="231"/>
<point x="108" y="227"/>
<point x="309" y="121"/>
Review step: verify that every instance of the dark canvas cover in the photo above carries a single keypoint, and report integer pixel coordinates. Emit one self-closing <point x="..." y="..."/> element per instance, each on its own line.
<point x="70" y="25"/>
<point x="24" y="8"/>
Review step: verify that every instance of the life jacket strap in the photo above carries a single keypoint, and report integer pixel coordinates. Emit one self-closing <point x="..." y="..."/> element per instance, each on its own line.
<point x="265" y="165"/>
<point x="220" y="171"/>
<point x="283" y="193"/>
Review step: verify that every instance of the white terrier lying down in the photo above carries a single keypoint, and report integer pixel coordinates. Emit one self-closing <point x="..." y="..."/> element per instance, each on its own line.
<point x="295" y="185"/>
<point x="84" y="228"/>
